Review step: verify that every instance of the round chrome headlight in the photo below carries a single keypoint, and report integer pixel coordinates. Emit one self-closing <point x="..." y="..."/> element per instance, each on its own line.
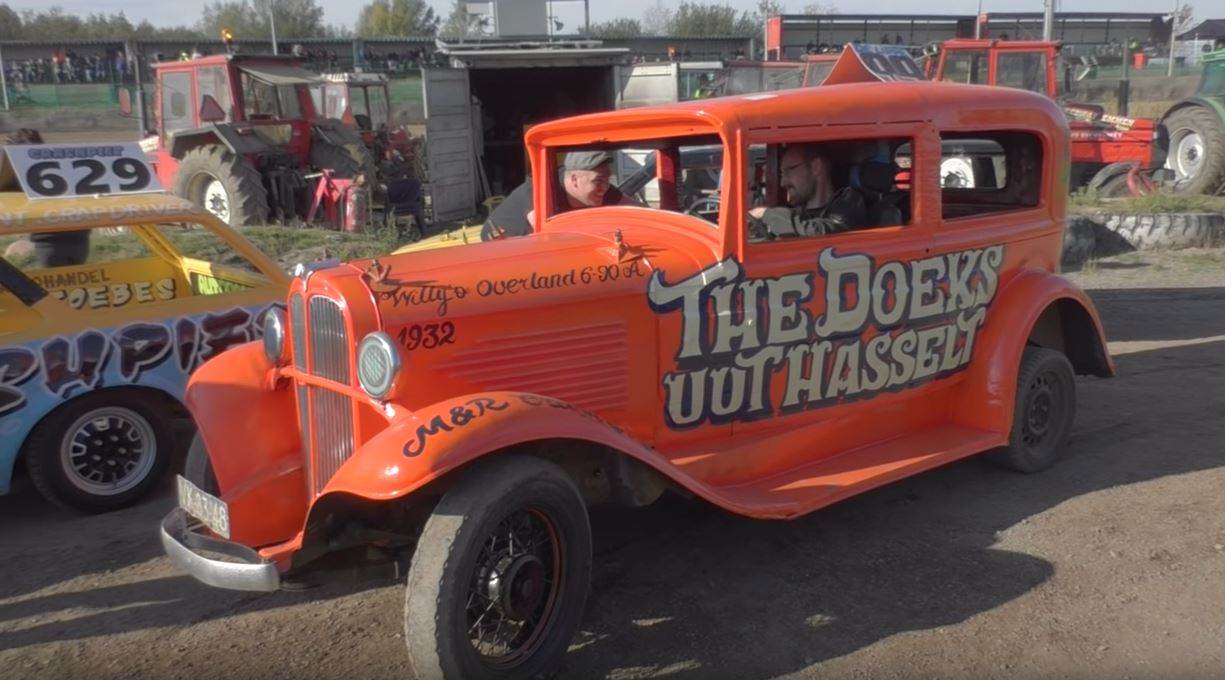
<point x="274" y="335"/>
<point x="378" y="363"/>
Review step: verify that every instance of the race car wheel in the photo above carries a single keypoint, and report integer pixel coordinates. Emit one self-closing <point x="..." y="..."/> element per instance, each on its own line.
<point x="99" y="452"/>
<point x="499" y="580"/>
<point x="226" y="185"/>
<point x="1044" y="411"/>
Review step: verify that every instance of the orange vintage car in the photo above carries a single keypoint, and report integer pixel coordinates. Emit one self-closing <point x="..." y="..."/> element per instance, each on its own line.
<point x="453" y="413"/>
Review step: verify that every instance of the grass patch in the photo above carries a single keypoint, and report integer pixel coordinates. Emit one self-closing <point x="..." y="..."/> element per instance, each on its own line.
<point x="285" y="245"/>
<point x="1087" y="202"/>
<point x="1153" y="110"/>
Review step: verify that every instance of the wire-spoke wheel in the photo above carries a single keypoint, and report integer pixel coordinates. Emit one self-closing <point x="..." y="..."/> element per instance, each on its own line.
<point x="1043" y="413"/>
<point x="499" y="579"/>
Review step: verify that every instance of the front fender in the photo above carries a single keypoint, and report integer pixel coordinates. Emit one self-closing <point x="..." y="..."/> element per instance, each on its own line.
<point x="248" y="426"/>
<point x="423" y="446"/>
<point x="989" y="390"/>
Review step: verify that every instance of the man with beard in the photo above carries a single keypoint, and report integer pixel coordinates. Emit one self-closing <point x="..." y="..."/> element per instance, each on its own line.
<point x="816" y="207"/>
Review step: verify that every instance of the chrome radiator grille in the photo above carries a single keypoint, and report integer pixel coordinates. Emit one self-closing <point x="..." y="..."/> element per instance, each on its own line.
<point x="325" y="417"/>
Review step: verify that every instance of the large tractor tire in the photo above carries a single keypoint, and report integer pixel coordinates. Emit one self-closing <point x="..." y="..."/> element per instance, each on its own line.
<point x="1197" y="149"/>
<point x="225" y="184"/>
<point x="345" y="160"/>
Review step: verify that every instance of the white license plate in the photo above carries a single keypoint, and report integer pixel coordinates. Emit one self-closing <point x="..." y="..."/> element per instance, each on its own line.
<point x="205" y="507"/>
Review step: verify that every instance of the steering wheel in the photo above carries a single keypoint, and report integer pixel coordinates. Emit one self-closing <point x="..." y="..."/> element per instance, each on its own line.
<point x="710" y="203"/>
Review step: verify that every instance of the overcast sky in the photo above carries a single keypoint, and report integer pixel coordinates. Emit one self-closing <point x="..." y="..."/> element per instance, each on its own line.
<point x="162" y="13"/>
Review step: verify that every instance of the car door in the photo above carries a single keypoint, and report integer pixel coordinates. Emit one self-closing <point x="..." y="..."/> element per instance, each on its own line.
<point x="822" y="328"/>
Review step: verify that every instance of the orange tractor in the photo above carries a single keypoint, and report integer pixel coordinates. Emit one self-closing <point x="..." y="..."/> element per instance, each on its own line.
<point x="1111" y="155"/>
<point x="240" y="136"/>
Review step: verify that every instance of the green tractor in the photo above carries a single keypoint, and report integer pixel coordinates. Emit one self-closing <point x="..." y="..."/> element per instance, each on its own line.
<point x="1196" y="132"/>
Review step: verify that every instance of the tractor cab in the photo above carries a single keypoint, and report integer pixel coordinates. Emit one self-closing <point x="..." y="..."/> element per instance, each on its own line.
<point x="240" y="136"/>
<point x="364" y="96"/>
<point x="1023" y="64"/>
<point x="271" y="95"/>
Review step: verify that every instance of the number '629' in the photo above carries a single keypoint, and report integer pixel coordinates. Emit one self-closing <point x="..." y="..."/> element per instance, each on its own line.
<point x="47" y="177"/>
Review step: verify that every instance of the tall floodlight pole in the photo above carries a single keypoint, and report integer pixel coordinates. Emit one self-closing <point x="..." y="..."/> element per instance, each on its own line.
<point x="4" y="83"/>
<point x="272" y="24"/>
<point x="1048" y="18"/>
<point x="978" y="21"/>
<point x="587" y="16"/>
<point x="1169" y="69"/>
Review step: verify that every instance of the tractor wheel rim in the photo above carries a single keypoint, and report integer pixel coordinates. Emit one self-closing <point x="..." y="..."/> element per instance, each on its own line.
<point x="1189" y="155"/>
<point x="108" y="451"/>
<point x="216" y="200"/>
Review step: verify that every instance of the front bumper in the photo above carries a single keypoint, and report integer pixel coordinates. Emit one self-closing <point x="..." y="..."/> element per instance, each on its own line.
<point x="250" y="571"/>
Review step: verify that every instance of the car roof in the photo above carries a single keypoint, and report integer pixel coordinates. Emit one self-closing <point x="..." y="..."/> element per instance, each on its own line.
<point x="21" y="213"/>
<point x="950" y="105"/>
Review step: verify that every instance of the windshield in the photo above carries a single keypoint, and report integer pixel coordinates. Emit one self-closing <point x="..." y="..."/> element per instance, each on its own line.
<point x="265" y="100"/>
<point x="1213" y="82"/>
<point x="379" y="107"/>
<point x="965" y="66"/>
<point x="1023" y="70"/>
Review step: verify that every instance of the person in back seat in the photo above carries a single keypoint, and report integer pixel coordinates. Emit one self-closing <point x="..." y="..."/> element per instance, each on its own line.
<point x="877" y="179"/>
<point x="816" y="207"/>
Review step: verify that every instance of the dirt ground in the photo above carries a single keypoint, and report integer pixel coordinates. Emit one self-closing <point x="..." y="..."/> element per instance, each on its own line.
<point x="1109" y="565"/>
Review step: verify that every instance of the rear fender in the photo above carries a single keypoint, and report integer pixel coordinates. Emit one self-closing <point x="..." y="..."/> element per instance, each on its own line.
<point x="422" y="447"/>
<point x="242" y="143"/>
<point x="1034" y="308"/>
<point x="1209" y="103"/>
<point x="248" y="425"/>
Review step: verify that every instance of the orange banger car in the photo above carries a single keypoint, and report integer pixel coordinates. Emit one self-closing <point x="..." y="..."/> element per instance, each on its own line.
<point x="451" y="414"/>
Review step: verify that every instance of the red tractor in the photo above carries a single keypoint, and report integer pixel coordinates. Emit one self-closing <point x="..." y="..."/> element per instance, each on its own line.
<point x="1110" y="154"/>
<point x="240" y="136"/>
<point x="363" y="101"/>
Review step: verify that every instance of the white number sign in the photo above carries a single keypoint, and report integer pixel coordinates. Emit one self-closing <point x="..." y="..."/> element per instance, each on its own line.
<point x="67" y="170"/>
<point x="888" y="62"/>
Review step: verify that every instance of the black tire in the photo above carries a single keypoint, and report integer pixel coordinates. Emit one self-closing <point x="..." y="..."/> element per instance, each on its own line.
<point x="198" y="469"/>
<point x="1115" y="187"/>
<point x="79" y="430"/>
<point x="246" y="199"/>
<point x="444" y="571"/>
<point x="1110" y="181"/>
<point x="1043" y="414"/>
<point x="1208" y="164"/>
<point x="344" y="160"/>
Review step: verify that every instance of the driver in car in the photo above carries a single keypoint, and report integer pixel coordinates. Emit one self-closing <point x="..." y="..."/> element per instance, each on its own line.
<point x="815" y="208"/>
<point x="586" y="178"/>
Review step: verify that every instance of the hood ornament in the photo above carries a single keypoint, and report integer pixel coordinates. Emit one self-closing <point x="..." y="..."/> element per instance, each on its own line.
<point x="622" y="250"/>
<point x="376" y="277"/>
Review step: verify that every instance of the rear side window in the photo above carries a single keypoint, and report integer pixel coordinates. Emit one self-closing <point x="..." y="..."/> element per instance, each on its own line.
<point x="992" y="172"/>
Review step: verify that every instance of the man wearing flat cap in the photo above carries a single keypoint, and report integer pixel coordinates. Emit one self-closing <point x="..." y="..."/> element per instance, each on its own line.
<point x="585" y="179"/>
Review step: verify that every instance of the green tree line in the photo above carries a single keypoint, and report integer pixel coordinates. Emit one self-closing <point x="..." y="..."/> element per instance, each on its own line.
<point x="296" y="19"/>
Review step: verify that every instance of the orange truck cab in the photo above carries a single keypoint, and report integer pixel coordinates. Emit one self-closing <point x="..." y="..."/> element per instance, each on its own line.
<point x="455" y="412"/>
